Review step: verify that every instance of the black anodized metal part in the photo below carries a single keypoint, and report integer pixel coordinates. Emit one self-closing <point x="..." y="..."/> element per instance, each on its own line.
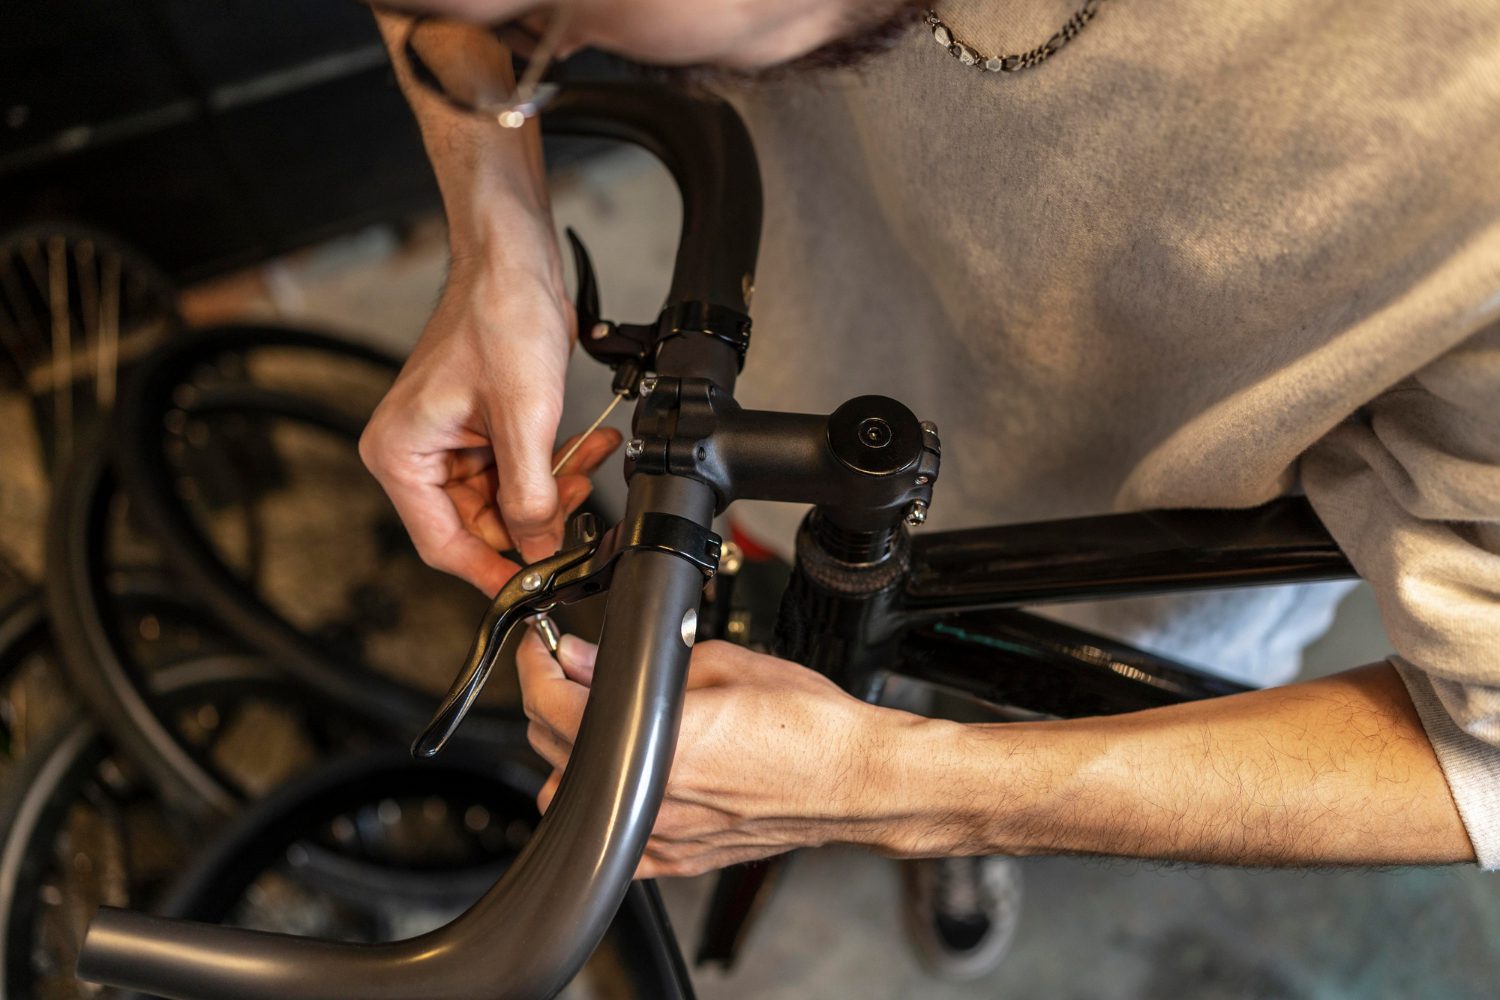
<point x="1117" y="554"/>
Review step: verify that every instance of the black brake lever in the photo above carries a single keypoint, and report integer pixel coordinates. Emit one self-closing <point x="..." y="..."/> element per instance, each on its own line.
<point x="628" y="348"/>
<point x="582" y="568"/>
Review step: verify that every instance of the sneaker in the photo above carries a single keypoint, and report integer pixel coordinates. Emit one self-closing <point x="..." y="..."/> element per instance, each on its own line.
<point x="962" y="913"/>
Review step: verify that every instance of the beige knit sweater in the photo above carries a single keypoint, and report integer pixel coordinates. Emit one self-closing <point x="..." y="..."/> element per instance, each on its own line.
<point x="1208" y="254"/>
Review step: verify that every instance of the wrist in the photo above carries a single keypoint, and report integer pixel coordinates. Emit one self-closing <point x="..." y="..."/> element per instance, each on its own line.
<point x="504" y="231"/>
<point x="901" y="797"/>
<point x="952" y="789"/>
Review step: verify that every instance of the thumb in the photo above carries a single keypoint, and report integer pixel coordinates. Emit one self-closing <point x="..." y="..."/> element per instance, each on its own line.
<point x="527" y="493"/>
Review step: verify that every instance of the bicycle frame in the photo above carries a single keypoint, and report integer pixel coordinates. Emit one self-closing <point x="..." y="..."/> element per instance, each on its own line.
<point x="961" y="629"/>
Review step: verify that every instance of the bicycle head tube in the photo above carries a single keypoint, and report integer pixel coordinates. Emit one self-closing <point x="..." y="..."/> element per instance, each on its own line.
<point x="529" y="935"/>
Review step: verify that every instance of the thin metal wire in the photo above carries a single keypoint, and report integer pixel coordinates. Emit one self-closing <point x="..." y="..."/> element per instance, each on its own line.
<point x="573" y="448"/>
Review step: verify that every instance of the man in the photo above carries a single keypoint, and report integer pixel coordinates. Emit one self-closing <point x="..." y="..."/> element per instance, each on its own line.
<point x="1202" y="256"/>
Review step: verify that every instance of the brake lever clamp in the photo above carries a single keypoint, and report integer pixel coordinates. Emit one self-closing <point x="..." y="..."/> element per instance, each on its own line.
<point x="582" y="568"/>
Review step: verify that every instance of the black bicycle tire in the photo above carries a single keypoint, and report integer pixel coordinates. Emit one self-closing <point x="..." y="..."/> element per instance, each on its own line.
<point x="93" y="658"/>
<point x="77" y="747"/>
<point x="23" y="630"/>
<point x="144" y="475"/>
<point x="206" y="891"/>
<point x="90" y="654"/>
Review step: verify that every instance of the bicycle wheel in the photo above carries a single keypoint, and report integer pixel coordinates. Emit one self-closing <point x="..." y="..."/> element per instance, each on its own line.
<point x="174" y="394"/>
<point x="250" y="875"/>
<point x="94" y="654"/>
<point x="78" y="827"/>
<point x="75" y="306"/>
<point x="30" y="697"/>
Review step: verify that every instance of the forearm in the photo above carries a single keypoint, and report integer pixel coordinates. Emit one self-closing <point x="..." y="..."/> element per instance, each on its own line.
<point x="493" y="180"/>
<point x="1333" y="771"/>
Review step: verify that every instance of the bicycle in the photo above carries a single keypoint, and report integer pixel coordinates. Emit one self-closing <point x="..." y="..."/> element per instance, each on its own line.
<point x="866" y="600"/>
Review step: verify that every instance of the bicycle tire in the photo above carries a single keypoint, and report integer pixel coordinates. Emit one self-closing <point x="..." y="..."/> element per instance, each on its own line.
<point x="92" y="657"/>
<point x="144" y="474"/>
<point x="36" y="806"/>
<point x="640" y="942"/>
<point x="23" y="633"/>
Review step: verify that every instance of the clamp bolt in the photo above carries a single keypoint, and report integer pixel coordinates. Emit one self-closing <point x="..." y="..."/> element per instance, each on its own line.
<point x="916" y="512"/>
<point x="531" y="581"/>
<point x="648" y="385"/>
<point x="634" y="449"/>
<point x="599" y="331"/>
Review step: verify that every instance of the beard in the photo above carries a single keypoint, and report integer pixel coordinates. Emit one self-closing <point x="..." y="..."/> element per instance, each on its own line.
<point x="864" y="40"/>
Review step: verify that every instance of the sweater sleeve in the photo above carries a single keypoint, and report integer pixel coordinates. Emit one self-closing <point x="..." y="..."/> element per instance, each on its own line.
<point x="1410" y="489"/>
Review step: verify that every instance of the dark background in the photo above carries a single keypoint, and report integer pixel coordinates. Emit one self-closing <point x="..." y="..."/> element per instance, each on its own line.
<point x="209" y="133"/>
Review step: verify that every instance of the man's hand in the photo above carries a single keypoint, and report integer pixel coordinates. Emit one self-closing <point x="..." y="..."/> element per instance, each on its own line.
<point x="771" y="755"/>
<point x="462" y="443"/>
<point x="731" y="33"/>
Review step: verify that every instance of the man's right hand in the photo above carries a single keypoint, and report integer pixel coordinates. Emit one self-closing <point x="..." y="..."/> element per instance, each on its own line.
<point x="462" y="443"/>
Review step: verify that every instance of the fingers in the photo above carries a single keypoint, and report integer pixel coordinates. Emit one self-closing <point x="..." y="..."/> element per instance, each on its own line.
<point x="549" y="791"/>
<point x="528" y="494"/>
<point x="549" y="746"/>
<point x="417" y="487"/>
<point x="576" y="658"/>
<point x="593" y="451"/>
<point x="532" y="506"/>
<point x="573" y="483"/>
<point x="548" y="696"/>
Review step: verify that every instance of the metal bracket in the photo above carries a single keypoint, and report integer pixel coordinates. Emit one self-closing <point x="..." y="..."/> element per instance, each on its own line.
<point x="583" y="567"/>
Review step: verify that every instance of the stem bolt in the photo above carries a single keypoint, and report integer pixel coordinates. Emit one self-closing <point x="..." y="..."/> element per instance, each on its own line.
<point x="916" y="512"/>
<point x="634" y="449"/>
<point x="648" y="385"/>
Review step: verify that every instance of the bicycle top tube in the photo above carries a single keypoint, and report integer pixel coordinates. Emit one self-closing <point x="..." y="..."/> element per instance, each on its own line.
<point x="534" y="929"/>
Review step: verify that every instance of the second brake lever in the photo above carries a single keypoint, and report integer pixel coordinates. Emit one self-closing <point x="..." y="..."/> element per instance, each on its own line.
<point x="582" y="568"/>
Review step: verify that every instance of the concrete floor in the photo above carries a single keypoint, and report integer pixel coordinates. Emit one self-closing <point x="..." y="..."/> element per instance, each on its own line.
<point x="1091" y="929"/>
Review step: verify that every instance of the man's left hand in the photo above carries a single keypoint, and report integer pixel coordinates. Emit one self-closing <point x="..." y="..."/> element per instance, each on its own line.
<point x="771" y="756"/>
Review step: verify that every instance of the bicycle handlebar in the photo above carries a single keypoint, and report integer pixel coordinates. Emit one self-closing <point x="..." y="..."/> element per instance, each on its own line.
<point x="529" y="935"/>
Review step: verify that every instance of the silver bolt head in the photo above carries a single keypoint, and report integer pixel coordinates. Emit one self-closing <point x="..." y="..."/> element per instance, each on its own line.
<point x="731" y="559"/>
<point x="648" y="385"/>
<point x="923" y="480"/>
<point x="531" y="580"/>
<point x="634" y="449"/>
<point x="916" y="512"/>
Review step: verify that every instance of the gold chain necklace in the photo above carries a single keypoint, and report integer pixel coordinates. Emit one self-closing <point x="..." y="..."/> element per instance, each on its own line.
<point x="967" y="55"/>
